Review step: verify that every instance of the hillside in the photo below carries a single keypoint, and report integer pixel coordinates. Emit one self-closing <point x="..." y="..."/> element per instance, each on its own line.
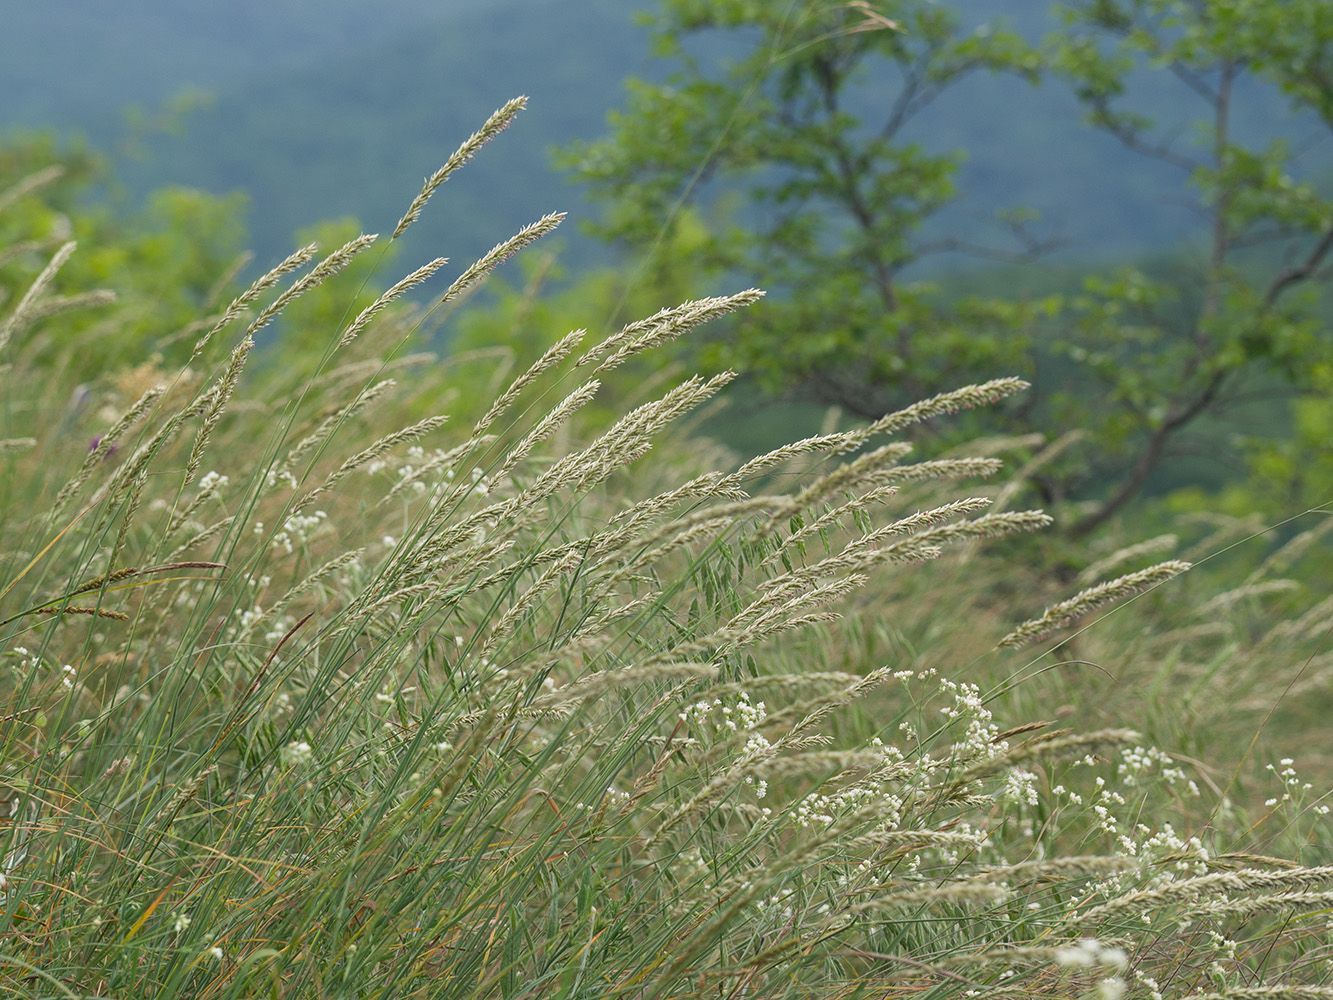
<point x="344" y="114"/>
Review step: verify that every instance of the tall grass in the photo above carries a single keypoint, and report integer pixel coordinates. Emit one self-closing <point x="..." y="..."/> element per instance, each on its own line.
<point x="312" y="692"/>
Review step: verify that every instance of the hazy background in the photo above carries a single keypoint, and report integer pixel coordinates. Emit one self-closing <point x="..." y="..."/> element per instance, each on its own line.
<point x="342" y="112"/>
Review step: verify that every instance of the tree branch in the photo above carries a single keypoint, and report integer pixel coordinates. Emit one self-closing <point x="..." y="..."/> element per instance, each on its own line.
<point x="1152" y="454"/>
<point x="1300" y="272"/>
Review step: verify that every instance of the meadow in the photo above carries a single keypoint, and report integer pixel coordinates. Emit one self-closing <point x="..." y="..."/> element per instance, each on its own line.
<point x="374" y="673"/>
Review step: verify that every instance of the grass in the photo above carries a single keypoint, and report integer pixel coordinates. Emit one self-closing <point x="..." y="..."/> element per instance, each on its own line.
<point x="312" y="690"/>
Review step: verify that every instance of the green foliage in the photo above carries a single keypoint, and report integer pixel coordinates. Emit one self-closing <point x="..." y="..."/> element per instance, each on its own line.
<point x="1236" y="324"/>
<point x="797" y="155"/>
<point x="168" y="264"/>
<point x="838" y="195"/>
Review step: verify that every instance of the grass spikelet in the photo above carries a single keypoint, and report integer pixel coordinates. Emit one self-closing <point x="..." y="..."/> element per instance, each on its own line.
<point x="1289" y="553"/>
<point x="34" y="181"/>
<point x="1224" y="602"/>
<point x="380" y="447"/>
<point x="943" y="468"/>
<point x="11" y="445"/>
<point x="968" y="397"/>
<point x="1281" y="902"/>
<point x="217" y="400"/>
<point x="53" y="304"/>
<point x="666" y="326"/>
<point x="552" y="577"/>
<point x="1095" y="571"/>
<point x="985" y="526"/>
<point x="1190" y="889"/>
<point x="628" y="439"/>
<point x="549" y="424"/>
<point x="1059" y="615"/>
<point x="134" y="497"/>
<point x="321" y="272"/>
<point x="495" y="124"/>
<point x="320" y="574"/>
<point x="264" y="282"/>
<point x="102" y="448"/>
<point x="1284" y="991"/>
<point x="355" y="328"/>
<point x="119" y="616"/>
<point x="554" y="354"/>
<point x="814" y="710"/>
<point x="21" y="313"/>
<point x="856" y="474"/>
<point x="329" y="424"/>
<point x="497" y="255"/>
<point x="184" y="796"/>
<point x="211" y="531"/>
<point x="828" y="444"/>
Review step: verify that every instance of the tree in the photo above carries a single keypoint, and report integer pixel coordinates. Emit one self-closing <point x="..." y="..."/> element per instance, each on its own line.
<point x="838" y="195"/>
<point x="804" y="191"/>
<point x="1242" y="323"/>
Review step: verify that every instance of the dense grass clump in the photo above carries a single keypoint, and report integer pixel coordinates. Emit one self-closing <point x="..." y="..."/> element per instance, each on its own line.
<point x="319" y="683"/>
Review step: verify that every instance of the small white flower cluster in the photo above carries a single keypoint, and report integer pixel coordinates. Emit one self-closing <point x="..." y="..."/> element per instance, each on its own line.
<point x="277" y="629"/>
<point x="1139" y="761"/>
<point x="413" y="468"/>
<point x="740" y="717"/>
<point x="297" y="529"/>
<point x="824" y="810"/>
<point x="980" y="740"/>
<point x="864" y="876"/>
<point x="408" y="476"/>
<point x="1152" y="985"/>
<point x="285" y="475"/>
<point x="692" y="860"/>
<point x="1020" y="787"/>
<point x="777" y="907"/>
<point x="1167" y="841"/>
<point x="248" y="620"/>
<point x="296" y="754"/>
<point x="1092" y="954"/>
<point x="210" y="482"/>
<point x="25" y="661"/>
<point x="1291" y="785"/>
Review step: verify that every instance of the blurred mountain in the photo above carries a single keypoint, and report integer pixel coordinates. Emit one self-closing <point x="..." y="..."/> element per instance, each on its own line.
<point x="76" y="64"/>
<point x="344" y="113"/>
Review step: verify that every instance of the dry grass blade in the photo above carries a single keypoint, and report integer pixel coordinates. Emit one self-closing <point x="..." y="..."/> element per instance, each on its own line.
<point x="266" y="281"/>
<point x="23" y="309"/>
<point x="355" y="328"/>
<point x="497" y="123"/>
<point x="1057" y="616"/>
<point x="33" y="182"/>
<point x="498" y="254"/>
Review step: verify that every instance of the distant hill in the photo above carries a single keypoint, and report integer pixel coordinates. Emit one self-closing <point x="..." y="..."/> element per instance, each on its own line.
<point x="77" y="63"/>
<point x="356" y="133"/>
<point x="344" y="113"/>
